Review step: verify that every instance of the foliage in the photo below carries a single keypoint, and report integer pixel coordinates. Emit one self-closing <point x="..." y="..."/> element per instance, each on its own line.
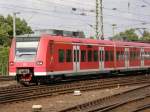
<point x="128" y="35"/>
<point x="6" y="34"/>
<point x="146" y="36"/>
<point x="4" y="60"/>
<point x="6" y="29"/>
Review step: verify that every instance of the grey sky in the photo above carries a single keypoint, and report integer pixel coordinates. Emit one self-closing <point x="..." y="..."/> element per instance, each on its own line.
<point x="58" y="14"/>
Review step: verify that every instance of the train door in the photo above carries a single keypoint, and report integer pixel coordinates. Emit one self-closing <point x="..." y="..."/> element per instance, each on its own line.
<point x="76" y="55"/>
<point x="142" y="57"/>
<point x="126" y="57"/>
<point x="101" y="56"/>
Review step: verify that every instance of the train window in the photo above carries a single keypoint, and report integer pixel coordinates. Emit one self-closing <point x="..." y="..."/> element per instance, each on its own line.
<point x="141" y="55"/>
<point x="117" y="55"/>
<point x="89" y="46"/>
<point x="144" y="55"/>
<point x="61" y="55"/>
<point x="131" y="55"/>
<point x="106" y="56"/>
<point x="89" y="55"/>
<point x="77" y="55"/>
<point x="95" y="55"/>
<point x="68" y="55"/>
<point x="135" y="57"/>
<point x="147" y="55"/>
<point x="127" y="55"/>
<point x="74" y="55"/>
<point x="122" y="55"/>
<point x="102" y="55"/>
<point x="111" y="56"/>
<point x="83" y="56"/>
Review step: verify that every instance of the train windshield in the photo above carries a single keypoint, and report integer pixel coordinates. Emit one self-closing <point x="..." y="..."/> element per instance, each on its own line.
<point x="26" y="50"/>
<point x="24" y="54"/>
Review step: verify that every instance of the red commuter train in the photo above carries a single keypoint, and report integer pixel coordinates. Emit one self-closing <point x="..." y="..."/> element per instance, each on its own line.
<point x="34" y="59"/>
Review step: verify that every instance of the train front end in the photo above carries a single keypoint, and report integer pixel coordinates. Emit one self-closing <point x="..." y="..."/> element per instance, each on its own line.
<point x="22" y="59"/>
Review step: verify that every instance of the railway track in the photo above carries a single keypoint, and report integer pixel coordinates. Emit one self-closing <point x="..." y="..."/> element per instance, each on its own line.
<point x="6" y="78"/>
<point x="142" y="108"/>
<point x="24" y="93"/>
<point x="112" y="102"/>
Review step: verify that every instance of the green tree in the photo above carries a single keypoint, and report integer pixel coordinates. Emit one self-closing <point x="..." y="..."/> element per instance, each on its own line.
<point x="6" y="29"/>
<point x="128" y="35"/>
<point x="6" y="34"/>
<point x="146" y="36"/>
<point x="4" y="60"/>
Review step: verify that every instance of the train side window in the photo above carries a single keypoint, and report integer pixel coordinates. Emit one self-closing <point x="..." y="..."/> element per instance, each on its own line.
<point x="111" y="56"/>
<point x="134" y="55"/>
<point x="95" y="55"/>
<point x="131" y="55"/>
<point x="122" y="55"/>
<point x="142" y="54"/>
<point x="106" y="56"/>
<point x="68" y="55"/>
<point x="137" y="55"/>
<point x="77" y="55"/>
<point x="83" y="56"/>
<point x="102" y="58"/>
<point x="74" y="55"/>
<point x="100" y="55"/>
<point x="127" y="55"/>
<point x="61" y="55"/>
<point x="89" y="55"/>
<point x="117" y="55"/>
<point x="147" y="56"/>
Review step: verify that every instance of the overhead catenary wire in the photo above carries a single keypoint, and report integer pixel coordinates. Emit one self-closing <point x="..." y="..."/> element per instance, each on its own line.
<point x="31" y="11"/>
<point x="47" y="12"/>
<point x="148" y="3"/>
<point x="89" y="11"/>
<point x="66" y="15"/>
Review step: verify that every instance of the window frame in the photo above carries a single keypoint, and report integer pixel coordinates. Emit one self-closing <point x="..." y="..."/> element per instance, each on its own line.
<point x="83" y="55"/>
<point x="59" y="56"/>
<point x="95" y="55"/>
<point x="68" y="55"/>
<point x="89" y="55"/>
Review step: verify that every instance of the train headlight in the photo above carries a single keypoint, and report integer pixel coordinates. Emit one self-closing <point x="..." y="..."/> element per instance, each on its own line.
<point x="11" y="63"/>
<point x="39" y="62"/>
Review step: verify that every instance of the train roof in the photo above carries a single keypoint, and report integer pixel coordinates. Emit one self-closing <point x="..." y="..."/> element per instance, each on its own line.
<point x="94" y="41"/>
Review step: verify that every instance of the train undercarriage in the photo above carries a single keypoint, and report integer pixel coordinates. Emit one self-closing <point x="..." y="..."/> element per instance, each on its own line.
<point x="26" y="76"/>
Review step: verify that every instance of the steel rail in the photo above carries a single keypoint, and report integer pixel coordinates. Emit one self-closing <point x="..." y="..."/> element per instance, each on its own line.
<point x="40" y="91"/>
<point x="142" y="108"/>
<point x="108" y="103"/>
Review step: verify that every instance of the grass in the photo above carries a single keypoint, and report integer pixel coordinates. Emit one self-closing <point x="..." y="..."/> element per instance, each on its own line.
<point x="4" y="52"/>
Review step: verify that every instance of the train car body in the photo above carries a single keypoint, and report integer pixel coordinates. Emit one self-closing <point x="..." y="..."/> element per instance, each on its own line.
<point x="33" y="59"/>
